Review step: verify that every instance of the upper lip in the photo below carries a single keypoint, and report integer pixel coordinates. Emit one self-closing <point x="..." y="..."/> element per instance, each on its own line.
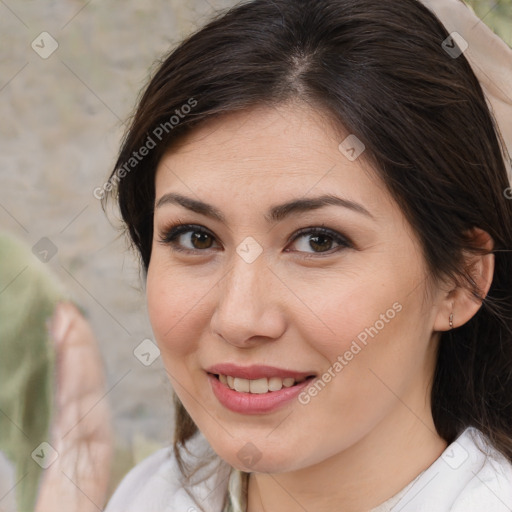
<point x="255" y="371"/>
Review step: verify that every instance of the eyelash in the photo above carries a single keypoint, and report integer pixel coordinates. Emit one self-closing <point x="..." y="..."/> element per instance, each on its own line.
<point x="171" y="233"/>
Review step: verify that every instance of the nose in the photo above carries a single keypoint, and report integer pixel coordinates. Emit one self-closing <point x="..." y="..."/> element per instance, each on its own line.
<point x="248" y="309"/>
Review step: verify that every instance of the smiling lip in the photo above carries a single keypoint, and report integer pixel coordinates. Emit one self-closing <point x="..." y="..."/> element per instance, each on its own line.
<point x="254" y="403"/>
<point x="256" y="371"/>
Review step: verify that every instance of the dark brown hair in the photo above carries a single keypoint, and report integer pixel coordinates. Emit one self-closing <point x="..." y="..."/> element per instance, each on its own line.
<point x="378" y="68"/>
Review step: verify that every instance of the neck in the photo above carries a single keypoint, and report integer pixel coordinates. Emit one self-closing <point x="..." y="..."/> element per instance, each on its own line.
<point x="359" y="478"/>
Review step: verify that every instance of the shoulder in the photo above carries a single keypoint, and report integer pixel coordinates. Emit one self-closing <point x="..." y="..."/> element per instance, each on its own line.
<point x="490" y="487"/>
<point x="469" y="476"/>
<point x="156" y="484"/>
<point x="150" y="482"/>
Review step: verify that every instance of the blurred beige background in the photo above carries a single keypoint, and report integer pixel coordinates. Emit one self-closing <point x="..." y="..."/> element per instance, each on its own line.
<point x="61" y="122"/>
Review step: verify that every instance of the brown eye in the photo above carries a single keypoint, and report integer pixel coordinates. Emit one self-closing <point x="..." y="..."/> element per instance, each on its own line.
<point x="320" y="240"/>
<point x="200" y="240"/>
<point x="187" y="238"/>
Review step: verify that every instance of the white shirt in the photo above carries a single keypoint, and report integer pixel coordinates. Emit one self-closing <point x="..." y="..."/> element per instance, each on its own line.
<point x="469" y="476"/>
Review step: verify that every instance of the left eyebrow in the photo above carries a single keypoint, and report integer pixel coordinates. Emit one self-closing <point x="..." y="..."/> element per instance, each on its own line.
<point x="275" y="214"/>
<point x="281" y="211"/>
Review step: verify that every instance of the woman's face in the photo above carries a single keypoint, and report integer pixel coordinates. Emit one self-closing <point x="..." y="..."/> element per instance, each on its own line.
<point x="349" y="305"/>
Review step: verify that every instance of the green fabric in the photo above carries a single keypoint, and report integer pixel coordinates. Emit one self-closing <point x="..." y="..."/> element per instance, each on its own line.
<point x="28" y="295"/>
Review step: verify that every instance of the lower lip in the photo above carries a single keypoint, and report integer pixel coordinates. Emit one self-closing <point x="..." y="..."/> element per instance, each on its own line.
<point x="254" y="403"/>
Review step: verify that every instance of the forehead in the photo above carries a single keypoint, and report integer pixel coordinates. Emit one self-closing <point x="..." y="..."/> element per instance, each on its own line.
<point x="277" y="152"/>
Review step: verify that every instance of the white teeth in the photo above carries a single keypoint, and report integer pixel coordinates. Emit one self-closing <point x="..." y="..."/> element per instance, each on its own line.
<point x="241" y="385"/>
<point x="288" y="382"/>
<point x="275" y="383"/>
<point x="257" y="386"/>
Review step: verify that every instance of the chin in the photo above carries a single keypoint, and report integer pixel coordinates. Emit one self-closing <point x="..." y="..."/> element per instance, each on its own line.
<point x="251" y="457"/>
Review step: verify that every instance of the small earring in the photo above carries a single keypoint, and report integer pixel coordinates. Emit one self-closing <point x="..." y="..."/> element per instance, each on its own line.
<point x="451" y="320"/>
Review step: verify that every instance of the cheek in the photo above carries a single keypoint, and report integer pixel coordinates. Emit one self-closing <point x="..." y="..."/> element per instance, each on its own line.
<point x="174" y="309"/>
<point x="367" y="331"/>
<point x="345" y="307"/>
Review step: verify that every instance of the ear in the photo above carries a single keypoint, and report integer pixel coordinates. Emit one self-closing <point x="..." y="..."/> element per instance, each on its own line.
<point x="459" y="301"/>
